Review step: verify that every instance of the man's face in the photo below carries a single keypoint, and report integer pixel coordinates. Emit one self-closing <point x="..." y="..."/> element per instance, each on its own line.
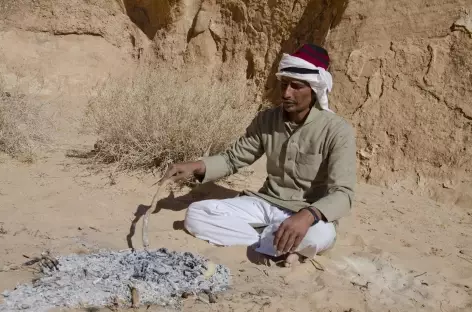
<point x="296" y="95"/>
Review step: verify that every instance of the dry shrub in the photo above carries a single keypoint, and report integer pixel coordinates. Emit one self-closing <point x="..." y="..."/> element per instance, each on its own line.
<point x="21" y="126"/>
<point x="156" y="118"/>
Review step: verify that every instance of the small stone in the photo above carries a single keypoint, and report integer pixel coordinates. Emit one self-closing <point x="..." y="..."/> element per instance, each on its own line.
<point x="212" y="298"/>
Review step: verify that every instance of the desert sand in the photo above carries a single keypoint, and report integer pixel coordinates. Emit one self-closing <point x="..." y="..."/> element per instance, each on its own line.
<point x="395" y="252"/>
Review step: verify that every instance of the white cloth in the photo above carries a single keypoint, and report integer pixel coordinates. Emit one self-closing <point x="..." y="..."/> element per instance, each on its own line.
<point x="321" y="83"/>
<point x="227" y="222"/>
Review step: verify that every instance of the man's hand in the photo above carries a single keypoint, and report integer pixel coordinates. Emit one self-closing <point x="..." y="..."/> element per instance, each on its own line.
<point x="292" y="231"/>
<point x="177" y="172"/>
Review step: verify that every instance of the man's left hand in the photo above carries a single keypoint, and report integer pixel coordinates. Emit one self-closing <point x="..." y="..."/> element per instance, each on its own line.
<point x="292" y="231"/>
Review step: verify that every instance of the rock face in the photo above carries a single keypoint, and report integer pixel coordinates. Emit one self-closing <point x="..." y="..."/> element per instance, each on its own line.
<point x="55" y="38"/>
<point x="403" y="75"/>
<point x="402" y="70"/>
<point x="233" y="39"/>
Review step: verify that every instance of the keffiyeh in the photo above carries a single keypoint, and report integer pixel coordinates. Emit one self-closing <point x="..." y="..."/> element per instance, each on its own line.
<point x="309" y="64"/>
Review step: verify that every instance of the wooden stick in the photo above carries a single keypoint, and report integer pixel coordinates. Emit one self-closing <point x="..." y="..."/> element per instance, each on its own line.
<point x="160" y="194"/>
<point x="135" y="300"/>
<point x="420" y="275"/>
<point x="464" y="258"/>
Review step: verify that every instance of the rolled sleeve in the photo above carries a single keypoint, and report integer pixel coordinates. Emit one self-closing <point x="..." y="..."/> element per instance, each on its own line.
<point x="216" y="167"/>
<point x="341" y="179"/>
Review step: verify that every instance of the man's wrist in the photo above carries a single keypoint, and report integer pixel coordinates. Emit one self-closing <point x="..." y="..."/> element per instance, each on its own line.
<point x="200" y="168"/>
<point x="308" y="215"/>
<point x="313" y="215"/>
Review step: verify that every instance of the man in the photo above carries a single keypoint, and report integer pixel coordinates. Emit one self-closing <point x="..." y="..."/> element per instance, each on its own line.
<point x="311" y="170"/>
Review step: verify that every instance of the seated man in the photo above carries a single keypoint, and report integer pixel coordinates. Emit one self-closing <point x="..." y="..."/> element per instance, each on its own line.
<point x="311" y="170"/>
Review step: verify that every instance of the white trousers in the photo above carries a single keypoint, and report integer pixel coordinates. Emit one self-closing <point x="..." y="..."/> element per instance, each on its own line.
<point x="227" y="222"/>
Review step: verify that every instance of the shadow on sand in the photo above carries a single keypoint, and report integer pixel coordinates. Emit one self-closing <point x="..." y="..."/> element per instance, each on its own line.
<point x="201" y="192"/>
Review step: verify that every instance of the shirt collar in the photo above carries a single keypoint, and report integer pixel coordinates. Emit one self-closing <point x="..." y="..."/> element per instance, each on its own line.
<point x="314" y="112"/>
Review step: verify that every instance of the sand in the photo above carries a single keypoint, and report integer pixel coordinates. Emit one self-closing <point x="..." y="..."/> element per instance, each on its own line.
<point x="395" y="252"/>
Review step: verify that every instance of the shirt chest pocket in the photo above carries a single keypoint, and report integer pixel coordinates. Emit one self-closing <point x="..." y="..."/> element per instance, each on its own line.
<point x="307" y="165"/>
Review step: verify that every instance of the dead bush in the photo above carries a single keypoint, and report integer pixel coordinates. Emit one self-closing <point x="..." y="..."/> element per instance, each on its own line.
<point x="21" y="126"/>
<point x="157" y="118"/>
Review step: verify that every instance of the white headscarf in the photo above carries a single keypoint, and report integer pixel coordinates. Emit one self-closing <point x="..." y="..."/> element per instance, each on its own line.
<point x="320" y="83"/>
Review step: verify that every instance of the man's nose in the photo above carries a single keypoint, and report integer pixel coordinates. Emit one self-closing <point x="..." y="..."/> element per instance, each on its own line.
<point x="287" y="92"/>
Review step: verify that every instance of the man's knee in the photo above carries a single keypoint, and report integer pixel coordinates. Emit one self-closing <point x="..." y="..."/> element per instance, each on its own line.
<point x="196" y="215"/>
<point x="191" y="222"/>
<point x="322" y="236"/>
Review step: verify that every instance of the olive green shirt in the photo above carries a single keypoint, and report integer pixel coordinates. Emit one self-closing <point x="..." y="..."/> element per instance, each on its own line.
<point x="308" y="165"/>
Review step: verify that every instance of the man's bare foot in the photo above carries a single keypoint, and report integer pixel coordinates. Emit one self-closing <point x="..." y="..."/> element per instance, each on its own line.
<point x="287" y="260"/>
<point x="292" y="260"/>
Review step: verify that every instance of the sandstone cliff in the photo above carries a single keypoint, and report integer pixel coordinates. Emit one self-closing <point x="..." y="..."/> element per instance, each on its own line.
<point x="402" y="71"/>
<point x="233" y="39"/>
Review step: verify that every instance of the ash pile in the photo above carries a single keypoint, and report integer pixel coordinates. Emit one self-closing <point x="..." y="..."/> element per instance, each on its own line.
<point x="107" y="279"/>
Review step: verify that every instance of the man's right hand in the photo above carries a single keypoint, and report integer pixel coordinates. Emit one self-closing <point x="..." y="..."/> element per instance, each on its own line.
<point x="182" y="171"/>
